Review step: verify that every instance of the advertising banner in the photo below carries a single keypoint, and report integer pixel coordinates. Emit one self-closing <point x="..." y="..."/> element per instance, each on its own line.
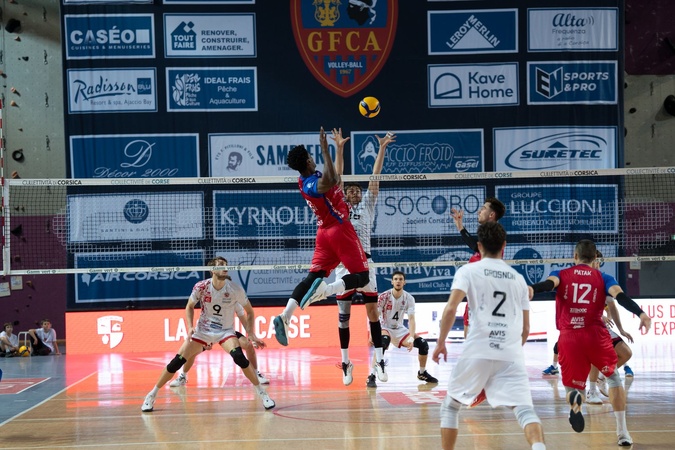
<point x="539" y="148"/>
<point x="136" y="286"/>
<point x="572" y="82"/>
<point x="135" y="156"/>
<point x="572" y="29"/>
<point x="209" y="35"/>
<point x="473" y="32"/>
<point x="136" y="216"/>
<point x="164" y="330"/>
<point x="110" y="36"/>
<point x="194" y="89"/>
<point x="112" y="90"/>
<point x="420" y="151"/>
<point x="454" y="85"/>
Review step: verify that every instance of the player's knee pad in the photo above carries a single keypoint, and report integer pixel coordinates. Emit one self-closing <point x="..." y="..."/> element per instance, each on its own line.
<point x="386" y="340"/>
<point x="344" y="313"/>
<point x="239" y="358"/>
<point x="422" y="345"/>
<point x="176" y="363"/>
<point x="450" y="412"/>
<point x="356" y="280"/>
<point x="614" y="380"/>
<point x="526" y="415"/>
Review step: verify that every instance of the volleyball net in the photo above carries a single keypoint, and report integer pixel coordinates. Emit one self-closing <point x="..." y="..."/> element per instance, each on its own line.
<point x="165" y="225"/>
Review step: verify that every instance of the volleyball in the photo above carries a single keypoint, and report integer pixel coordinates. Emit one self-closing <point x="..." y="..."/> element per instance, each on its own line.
<point x="369" y="107"/>
<point x="23" y="351"/>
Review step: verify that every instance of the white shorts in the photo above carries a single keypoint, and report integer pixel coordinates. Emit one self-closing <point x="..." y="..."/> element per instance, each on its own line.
<point x="340" y="272"/>
<point x="206" y="337"/>
<point x="505" y="382"/>
<point x="398" y="335"/>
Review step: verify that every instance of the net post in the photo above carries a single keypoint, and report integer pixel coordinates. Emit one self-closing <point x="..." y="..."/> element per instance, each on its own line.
<point x="4" y="201"/>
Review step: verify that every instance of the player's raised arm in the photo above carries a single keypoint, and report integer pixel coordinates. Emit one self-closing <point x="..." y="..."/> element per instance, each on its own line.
<point x="374" y="185"/>
<point x="330" y="176"/>
<point x="629" y="304"/>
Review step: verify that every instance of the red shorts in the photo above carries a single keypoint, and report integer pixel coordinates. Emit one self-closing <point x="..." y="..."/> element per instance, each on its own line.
<point x="335" y="245"/>
<point x="578" y="349"/>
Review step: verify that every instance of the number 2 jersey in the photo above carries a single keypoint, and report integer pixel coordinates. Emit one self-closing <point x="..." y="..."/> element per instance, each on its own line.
<point x="497" y="296"/>
<point x="581" y="296"/>
<point x="217" y="306"/>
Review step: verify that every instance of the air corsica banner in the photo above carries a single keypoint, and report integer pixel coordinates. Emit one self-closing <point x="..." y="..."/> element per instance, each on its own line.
<point x="136" y="286"/>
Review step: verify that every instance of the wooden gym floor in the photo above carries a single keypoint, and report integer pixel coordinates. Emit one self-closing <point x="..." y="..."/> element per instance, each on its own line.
<point x="79" y="402"/>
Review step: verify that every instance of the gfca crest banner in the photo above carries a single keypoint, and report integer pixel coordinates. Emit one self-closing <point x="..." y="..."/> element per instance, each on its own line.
<point x="344" y="43"/>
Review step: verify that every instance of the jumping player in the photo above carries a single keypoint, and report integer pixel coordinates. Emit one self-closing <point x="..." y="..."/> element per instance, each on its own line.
<point x="336" y="240"/>
<point x="362" y="217"/>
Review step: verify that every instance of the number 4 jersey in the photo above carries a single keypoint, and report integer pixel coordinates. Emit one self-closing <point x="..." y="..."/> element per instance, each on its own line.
<point x="580" y="297"/>
<point x="497" y="296"/>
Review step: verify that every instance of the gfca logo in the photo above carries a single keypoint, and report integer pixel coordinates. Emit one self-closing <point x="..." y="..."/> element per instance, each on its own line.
<point x="110" y="328"/>
<point x="344" y="44"/>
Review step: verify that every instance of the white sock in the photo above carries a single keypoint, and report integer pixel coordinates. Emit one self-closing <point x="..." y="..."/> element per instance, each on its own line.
<point x="422" y="369"/>
<point x="592" y="386"/>
<point x="335" y="287"/>
<point x="345" y="355"/>
<point x="154" y="390"/>
<point x="538" y="446"/>
<point x="259" y="389"/>
<point x="555" y="364"/>
<point x="621" y="427"/>
<point x="379" y="353"/>
<point x="290" y="309"/>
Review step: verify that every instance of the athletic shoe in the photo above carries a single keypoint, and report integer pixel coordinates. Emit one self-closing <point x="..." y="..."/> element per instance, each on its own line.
<point x="424" y="376"/>
<point x="480" y="398"/>
<point x="371" y="381"/>
<point x="281" y="330"/>
<point x="268" y="403"/>
<point x="576" y="418"/>
<point x="593" y="398"/>
<point x="180" y="381"/>
<point x="625" y="440"/>
<point x="551" y="370"/>
<point x="316" y="293"/>
<point x="262" y="379"/>
<point x="628" y="371"/>
<point x="149" y="403"/>
<point x="381" y="374"/>
<point x="347" y="373"/>
<point x="602" y="386"/>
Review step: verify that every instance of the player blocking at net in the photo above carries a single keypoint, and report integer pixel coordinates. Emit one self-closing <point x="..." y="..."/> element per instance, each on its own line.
<point x="336" y="239"/>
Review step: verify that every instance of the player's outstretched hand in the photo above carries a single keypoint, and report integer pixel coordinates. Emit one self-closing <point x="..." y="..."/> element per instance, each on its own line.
<point x="337" y="137"/>
<point x="645" y="322"/>
<point x="438" y="351"/>
<point x="458" y="216"/>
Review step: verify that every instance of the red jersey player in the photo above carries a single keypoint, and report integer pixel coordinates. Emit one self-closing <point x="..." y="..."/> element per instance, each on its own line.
<point x="336" y="240"/>
<point x="581" y="293"/>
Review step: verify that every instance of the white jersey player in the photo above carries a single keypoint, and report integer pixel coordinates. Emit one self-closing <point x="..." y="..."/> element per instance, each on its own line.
<point x="362" y="217"/>
<point x="218" y="297"/>
<point x="492" y="357"/>
<point x="393" y="305"/>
